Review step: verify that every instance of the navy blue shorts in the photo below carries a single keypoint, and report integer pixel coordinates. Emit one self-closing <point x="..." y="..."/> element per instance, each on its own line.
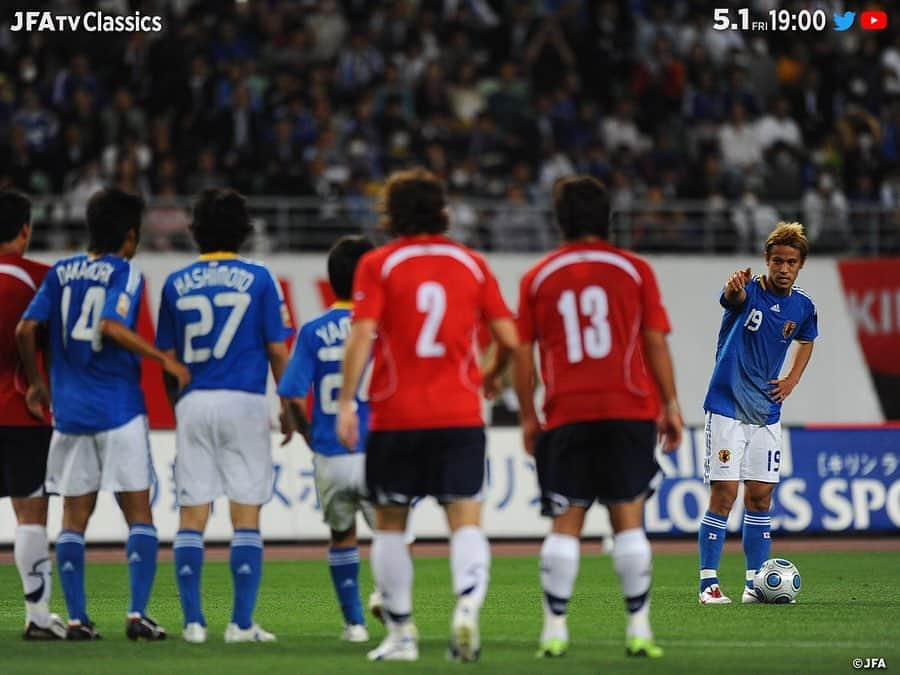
<point x="447" y="464"/>
<point x="23" y="460"/>
<point x="608" y="461"/>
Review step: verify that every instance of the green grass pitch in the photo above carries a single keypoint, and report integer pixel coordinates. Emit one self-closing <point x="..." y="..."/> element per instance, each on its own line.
<point x="849" y="608"/>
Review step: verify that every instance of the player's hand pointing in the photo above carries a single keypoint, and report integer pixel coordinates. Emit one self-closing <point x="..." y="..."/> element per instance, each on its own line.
<point x="738" y="280"/>
<point x="348" y="426"/>
<point x="37" y="400"/>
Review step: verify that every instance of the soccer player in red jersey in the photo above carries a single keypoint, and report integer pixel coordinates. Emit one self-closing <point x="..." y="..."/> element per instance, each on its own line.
<point x="419" y="301"/>
<point x="595" y="313"/>
<point x="24" y="439"/>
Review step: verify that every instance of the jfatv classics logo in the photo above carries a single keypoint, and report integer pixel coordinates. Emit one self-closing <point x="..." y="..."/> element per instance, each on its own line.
<point x="92" y="22"/>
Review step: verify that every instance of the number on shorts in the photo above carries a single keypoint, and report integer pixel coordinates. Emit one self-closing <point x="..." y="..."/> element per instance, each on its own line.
<point x="596" y="339"/>
<point x="774" y="461"/>
<point x="238" y="302"/>
<point x="87" y="327"/>
<point x="431" y="299"/>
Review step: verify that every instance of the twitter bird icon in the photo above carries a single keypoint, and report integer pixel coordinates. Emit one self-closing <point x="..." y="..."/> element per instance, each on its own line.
<point x="844" y="21"/>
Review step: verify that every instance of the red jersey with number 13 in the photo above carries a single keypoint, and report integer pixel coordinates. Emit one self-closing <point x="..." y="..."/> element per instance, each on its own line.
<point x="428" y="295"/>
<point x="586" y="305"/>
<point x="19" y="280"/>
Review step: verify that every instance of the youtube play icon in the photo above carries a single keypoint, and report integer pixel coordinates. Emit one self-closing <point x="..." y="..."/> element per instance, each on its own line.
<point x="873" y="20"/>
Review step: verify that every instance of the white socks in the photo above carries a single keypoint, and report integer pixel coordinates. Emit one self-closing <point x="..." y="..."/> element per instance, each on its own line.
<point x="560" y="555"/>
<point x="33" y="561"/>
<point x="470" y="563"/>
<point x="631" y="560"/>
<point x="393" y="570"/>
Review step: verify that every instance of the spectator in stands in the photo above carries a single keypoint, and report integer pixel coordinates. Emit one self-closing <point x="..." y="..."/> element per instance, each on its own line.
<point x="753" y="220"/>
<point x="40" y="125"/>
<point x="518" y="226"/>
<point x="779" y="127"/>
<point x="358" y="64"/>
<point x="825" y="215"/>
<point x="167" y="222"/>
<point x="123" y="117"/>
<point x="432" y="96"/>
<point x="207" y="174"/>
<point x="467" y="99"/>
<point x="77" y="76"/>
<point x="620" y="130"/>
<point x="329" y="28"/>
<point x="739" y="142"/>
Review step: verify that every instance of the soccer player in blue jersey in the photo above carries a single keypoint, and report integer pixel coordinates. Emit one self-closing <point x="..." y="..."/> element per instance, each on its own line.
<point x="90" y="303"/>
<point x="763" y="316"/>
<point x="225" y="317"/>
<point x="340" y="473"/>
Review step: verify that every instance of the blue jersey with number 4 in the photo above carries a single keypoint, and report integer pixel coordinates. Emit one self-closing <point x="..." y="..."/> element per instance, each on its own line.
<point x="316" y="363"/>
<point x="95" y="384"/>
<point x="219" y="314"/>
<point x="753" y="342"/>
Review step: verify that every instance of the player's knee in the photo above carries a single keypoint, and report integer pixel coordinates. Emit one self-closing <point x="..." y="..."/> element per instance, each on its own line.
<point x="31" y="510"/>
<point x="344" y="538"/>
<point x="721" y="499"/>
<point x="757" y="503"/>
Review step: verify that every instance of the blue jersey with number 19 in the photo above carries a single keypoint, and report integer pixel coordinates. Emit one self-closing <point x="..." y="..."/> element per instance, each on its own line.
<point x="95" y="384"/>
<point x="753" y="342"/>
<point x="219" y="314"/>
<point x="316" y="363"/>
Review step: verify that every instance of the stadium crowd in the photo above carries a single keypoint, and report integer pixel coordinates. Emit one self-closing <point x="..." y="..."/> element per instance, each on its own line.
<point x="500" y="98"/>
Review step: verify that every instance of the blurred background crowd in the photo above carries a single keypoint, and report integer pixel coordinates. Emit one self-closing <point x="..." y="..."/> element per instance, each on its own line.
<point x="705" y="138"/>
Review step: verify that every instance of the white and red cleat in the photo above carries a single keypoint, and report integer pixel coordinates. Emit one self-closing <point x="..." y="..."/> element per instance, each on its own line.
<point x="712" y="595"/>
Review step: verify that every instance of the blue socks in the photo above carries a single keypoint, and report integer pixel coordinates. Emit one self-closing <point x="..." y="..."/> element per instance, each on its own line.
<point x="188" y="550"/>
<point x="246" y="572"/>
<point x="70" y="562"/>
<point x="141" y="554"/>
<point x="711" y="537"/>
<point x="757" y="542"/>
<point x="344" y="566"/>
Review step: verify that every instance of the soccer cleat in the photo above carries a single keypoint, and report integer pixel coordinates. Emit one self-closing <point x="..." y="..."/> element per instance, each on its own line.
<point x="552" y="648"/>
<point x="355" y="632"/>
<point x="465" y="641"/>
<point x="194" y="633"/>
<point x="376" y="605"/>
<point x="712" y="595"/>
<point x="636" y="646"/>
<point x="54" y="630"/>
<point x="749" y="597"/>
<point x="82" y="631"/>
<point x="234" y="633"/>
<point x="401" y="644"/>
<point x="144" y="628"/>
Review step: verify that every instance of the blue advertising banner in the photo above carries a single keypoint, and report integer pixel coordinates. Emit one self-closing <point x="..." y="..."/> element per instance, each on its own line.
<point x="832" y="480"/>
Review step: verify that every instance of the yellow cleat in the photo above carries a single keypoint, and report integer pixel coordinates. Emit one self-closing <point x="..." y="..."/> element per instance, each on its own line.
<point x="640" y="647"/>
<point x="552" y="649"/>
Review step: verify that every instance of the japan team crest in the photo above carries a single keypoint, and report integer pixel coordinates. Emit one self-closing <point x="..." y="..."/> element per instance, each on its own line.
<point x="724" y="456"/>
<point x="788" y="329"/>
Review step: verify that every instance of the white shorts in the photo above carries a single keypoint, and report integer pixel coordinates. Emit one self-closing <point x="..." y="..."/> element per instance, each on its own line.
<point x="341" y="486"/>
<point x="223" y="447"/>
<point x="739" y="451"/>
<point x="116" y="460"/>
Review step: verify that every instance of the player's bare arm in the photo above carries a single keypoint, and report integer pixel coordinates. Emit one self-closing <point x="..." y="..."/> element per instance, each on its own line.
<point x="506" y="339"/>
<point x="37" y="398"/>
<point x="133" y="342"/>
<point x="659" y="361"/>
<point x="293" y="418"/>
<point x="524" y="378"/>
<point x="356" y="355"/>
<point x="784" y="386"/>
<point x="734" y="287"/>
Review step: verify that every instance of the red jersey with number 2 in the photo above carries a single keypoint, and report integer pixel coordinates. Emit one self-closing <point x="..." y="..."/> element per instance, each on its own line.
<point x="585" y="304"/>
<point x="19" y="280"/>
<point x="428" y="295"/>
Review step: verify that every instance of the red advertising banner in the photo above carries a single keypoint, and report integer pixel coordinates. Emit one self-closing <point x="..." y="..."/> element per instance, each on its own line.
<point x="872" y="290"/>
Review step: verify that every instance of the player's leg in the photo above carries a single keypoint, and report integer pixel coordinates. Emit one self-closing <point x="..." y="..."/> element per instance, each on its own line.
<point x="725" y="443"/>
<point x="761" y="471"/>
<point x="70" y="563"/>
<point x="127" y="467"/>
<point x="187" y="551"/>
<point x="560" y="557"/>
<point x="244" y="453"/>
<point x="455" y="475"/>
<point x="393" y="479"/>
<point x="141" y="553"/>
<point x="23" y="467"/>
<point x="340" y="480"/>
<point x="632" y="561"/>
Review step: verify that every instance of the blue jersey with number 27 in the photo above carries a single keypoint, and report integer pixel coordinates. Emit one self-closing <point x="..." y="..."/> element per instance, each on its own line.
<point x="219" y="314"/>
<point x="753" y="342"/>
<point x="316" y="363"/>
<point x="95" y="384"/>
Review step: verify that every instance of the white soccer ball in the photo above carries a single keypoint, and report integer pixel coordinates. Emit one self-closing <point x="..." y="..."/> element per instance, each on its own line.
<point x="777" y="581"/>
